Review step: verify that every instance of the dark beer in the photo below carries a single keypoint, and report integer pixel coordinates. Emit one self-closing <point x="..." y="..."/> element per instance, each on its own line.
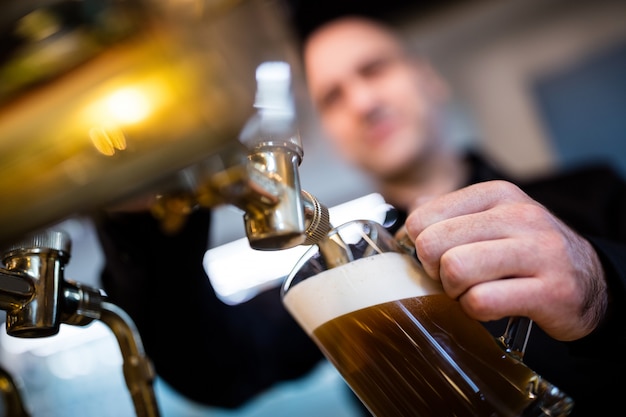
<point x="404" y="347"/>
<point x="412" y="357"/>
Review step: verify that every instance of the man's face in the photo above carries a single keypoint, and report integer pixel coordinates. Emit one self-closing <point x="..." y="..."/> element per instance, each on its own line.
<point x="374" y="101"/>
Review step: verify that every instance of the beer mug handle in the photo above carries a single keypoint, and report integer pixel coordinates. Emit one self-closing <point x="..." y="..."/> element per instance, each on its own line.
<point x="517" y="331"/>
<point x="516" y="336"/>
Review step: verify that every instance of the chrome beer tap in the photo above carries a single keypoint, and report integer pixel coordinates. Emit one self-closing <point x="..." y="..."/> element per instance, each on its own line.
<point x="288" y="216"/>
<point x="105" y="100"/>
<point x="259" y="174"/>
<point x="38" y="299"/>
<point x="122" y="98"/>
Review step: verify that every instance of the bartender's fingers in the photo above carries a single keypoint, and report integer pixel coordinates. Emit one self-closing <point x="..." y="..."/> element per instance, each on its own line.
<point x="465" y="266"/>
<point x="497" y="223"/>
<point x="493" y="300"/>
<point x="526" y="297"/>
<point x="472" y="199"/>
<point x="549" y="274"/>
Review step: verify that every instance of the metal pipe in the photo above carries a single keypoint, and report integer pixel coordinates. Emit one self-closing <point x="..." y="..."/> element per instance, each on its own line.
<point x="138" y="370"/>
<point x="38" y="300"/>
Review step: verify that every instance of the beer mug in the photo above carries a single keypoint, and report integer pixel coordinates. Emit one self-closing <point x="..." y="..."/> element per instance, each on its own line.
<point x="402" y="345"/>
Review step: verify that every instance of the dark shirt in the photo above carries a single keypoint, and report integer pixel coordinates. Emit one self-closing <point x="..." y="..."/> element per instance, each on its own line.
<point x="242" y="350"/>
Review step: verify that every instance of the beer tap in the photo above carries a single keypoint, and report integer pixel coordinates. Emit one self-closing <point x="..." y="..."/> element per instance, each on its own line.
<point x="131" y="97"/>
<point x="259" y="174"/>
<point x="38" y="299"/>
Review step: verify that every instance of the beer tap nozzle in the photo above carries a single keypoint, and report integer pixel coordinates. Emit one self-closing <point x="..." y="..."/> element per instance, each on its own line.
<point x="38" y="299"/>
<point x="258" y="174"/>
<point x="288" y="216"/>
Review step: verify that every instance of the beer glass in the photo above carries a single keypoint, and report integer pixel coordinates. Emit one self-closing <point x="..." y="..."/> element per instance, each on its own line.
<point x="402" y="345"/>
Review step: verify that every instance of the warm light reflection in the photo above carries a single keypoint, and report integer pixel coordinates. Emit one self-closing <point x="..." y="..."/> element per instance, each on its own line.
<point x="128" y="105"/>
<point x="106" y="141"/>
<point x="121" y="106"/>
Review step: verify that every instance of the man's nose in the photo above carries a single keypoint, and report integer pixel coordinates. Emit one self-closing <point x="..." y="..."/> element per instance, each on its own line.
<point x="362" y="98"/>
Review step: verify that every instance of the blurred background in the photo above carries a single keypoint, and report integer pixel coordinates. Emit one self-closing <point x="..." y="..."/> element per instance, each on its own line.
<point x="539" y="84"/>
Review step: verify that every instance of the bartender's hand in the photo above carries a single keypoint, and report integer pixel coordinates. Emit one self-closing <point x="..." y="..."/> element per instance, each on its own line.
<point x="503" y="254"/>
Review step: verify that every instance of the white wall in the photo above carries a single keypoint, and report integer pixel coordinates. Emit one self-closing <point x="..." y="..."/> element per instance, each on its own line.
<point x="491" y="50"/>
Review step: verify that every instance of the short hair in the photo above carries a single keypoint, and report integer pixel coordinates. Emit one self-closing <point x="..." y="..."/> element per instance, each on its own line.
<point x="307" y="16"/>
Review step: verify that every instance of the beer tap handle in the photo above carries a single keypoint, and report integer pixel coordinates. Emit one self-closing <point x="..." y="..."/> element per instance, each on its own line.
<point x="516" y="335"/>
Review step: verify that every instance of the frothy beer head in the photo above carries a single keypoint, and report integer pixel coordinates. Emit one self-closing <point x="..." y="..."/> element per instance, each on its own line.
<point x="362" y="283"/>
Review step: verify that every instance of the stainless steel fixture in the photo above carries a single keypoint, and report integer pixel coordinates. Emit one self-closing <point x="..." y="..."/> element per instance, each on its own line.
<point x="103" y="102"/>
<point x="38" y="299"/>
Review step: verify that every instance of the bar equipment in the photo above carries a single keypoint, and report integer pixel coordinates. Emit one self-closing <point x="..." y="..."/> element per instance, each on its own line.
<point x="38" y="299"/>
<point x="106" y="101"/>
<point x="402" y="345"/>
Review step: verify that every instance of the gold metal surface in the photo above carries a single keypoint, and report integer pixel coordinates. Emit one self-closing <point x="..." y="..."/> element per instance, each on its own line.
<point x="103" y="100"/>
